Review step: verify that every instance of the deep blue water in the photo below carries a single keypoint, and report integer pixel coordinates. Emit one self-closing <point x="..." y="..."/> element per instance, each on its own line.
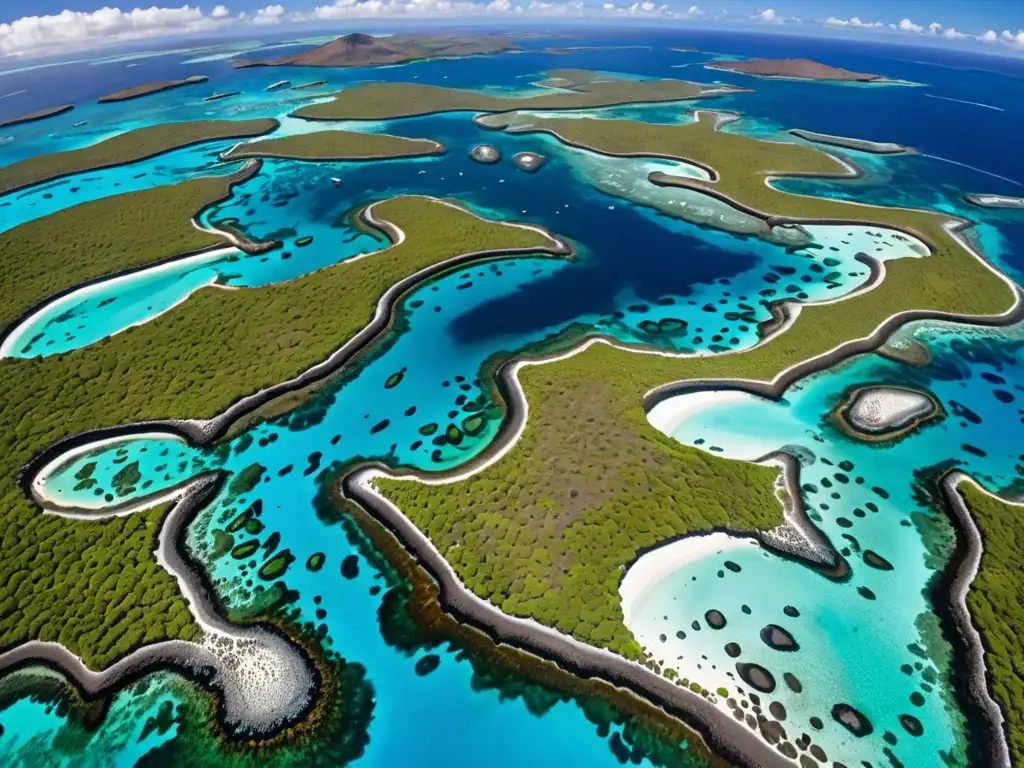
<point x="630" y="256"/>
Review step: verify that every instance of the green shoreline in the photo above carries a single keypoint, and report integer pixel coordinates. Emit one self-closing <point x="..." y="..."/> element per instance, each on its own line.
<point x="193" y="361"/>
<point x="385" y="101"/>
<point x="127" y="148"/>
<point x="587" y="408"/>
<point x="336" y="145"/>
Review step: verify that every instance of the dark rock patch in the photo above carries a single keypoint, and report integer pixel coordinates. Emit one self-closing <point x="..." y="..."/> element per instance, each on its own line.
<point x="715" y="619"/>
<point x="350" y="567"/>
<point x="427" y="664"/>
<point x="793" y="682"/>
<point x="733" y="649"/>
<point x="778" y="638"/>
<point x="756" y="676"/>
<point x="911" y="725"/>
<point x="875" y="560"/>
<point x="778" y="711"/>
<point x="854" y="721"/>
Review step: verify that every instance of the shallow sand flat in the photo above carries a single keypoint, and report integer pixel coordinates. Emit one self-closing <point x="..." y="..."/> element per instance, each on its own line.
<point x="877" y="409"/>
<point x="658" y="564"/>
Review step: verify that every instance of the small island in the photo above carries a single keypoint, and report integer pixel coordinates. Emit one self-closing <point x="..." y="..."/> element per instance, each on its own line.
<point x="335" y="145"/>
<point x="861" y="145"/>
<point x="878" y="413"/>
<point x="995" y="201"/>
<point x="32" y="117"/>
<point x="219" y="96"/>
<point x="146" y="89"/>
<point x="796" y="69"/>
<point x="358" y="50"/>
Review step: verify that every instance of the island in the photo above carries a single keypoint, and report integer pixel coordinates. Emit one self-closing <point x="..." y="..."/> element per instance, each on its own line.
<point x="138" y="91"/>
<point x="861" y="145"/>
<point x="885" y="413"/>
<point x="125" y="148"/>
<point x="32" y="117"/>
<point x="219" y="96"/>
<point x="995" y="201"/>
<point x="577" y="89"/>
<point x="116" y="234"/>
<point x="360" y="50"/>
<point x="796" y="69"/>
<point x="586" y="459"/>
<point x="336" y="145"/>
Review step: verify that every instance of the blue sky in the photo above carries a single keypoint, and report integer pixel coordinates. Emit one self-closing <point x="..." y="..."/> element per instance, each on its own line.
<point x="31" y="28"/>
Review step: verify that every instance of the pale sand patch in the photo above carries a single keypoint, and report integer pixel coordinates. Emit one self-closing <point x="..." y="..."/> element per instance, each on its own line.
<point x="658" y="564"/>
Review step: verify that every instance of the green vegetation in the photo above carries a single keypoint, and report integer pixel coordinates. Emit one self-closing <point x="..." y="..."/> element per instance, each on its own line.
<point x="138" y="91"/>
<point x="191" y="362"/>
<point x="127" y="148"/>
<point x="43" y="257"/>
<point x="384" y="101"/>
<point x="996" y="603"/>
<point x="336" y="145"/>
<point x="545" y="531"/>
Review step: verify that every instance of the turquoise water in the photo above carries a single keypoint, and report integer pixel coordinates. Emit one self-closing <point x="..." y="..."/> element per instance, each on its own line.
<point x="864" y="496"/>
<point x="642" y="278"/>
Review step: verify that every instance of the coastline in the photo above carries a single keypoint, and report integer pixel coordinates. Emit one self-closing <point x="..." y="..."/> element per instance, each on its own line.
<point x="34" y="117"/>
<point x="841" y="351"/>
<point x="105" y="166"/>
<point x="249" y="169"/>
<point x="651" y="568"/>
<point x="138" y="91"/>
<point x="724" y="734"/>
<point x="250" y="701"/>
<point x="965" y="564"/>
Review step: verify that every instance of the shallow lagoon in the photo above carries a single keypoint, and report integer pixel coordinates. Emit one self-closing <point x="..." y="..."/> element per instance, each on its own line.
<point x="625" y="263"/>
<point x="863" y="496"/>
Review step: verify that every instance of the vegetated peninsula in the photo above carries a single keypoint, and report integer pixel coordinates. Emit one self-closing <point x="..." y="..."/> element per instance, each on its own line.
<point x="996" y="603"/>
<point x="861" y="145"/>
<point x="587" y="458"/>
<point x="194" y="360"/>
<point x="577" y="89"/>
<point x="138" y="91"/>
<point x="798" y="69"/>
<point x="336" y="145"/>
<point x="358" y="50"/>
<point x="125" y="148"/>
<point x="32" y="117"/>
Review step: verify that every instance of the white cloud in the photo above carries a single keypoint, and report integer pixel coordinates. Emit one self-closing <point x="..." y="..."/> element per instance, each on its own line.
<point x="694" y="11"/>
<point x="272" y="14"/>
<point x="1017" y="41"/>
<point x="906" y="25"/>
<point x="68" y="30"/>
<point x="989" y="37"/>
<point x="853" y="21"/>
<point x="766" y="15"/>
<point x="220" y="12"/>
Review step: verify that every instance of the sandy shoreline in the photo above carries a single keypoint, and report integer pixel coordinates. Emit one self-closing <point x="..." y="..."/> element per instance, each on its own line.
<point x="652" y="568"/>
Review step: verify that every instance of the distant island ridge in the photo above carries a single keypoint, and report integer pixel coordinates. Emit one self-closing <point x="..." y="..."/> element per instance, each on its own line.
<point x="42" y="114"/>
<point x="801" y="69"/>
<point x="360" y="50"/>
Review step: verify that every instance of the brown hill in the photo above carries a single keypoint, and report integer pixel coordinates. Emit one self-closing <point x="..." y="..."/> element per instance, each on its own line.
<point x="805" y="69"/>
<point x="359" y="50"/>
